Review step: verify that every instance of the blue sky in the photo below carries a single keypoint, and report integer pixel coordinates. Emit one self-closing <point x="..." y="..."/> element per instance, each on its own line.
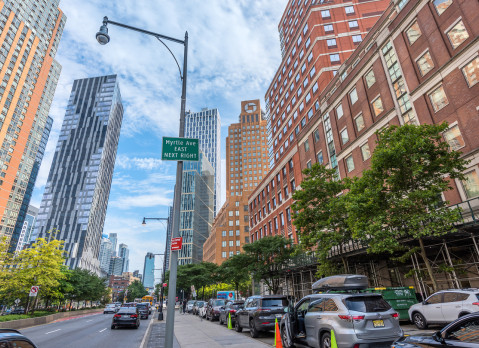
<point x="233" y="54"/>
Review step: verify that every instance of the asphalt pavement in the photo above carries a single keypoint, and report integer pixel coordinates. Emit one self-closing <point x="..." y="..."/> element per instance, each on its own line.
<point x="88" y="331"/>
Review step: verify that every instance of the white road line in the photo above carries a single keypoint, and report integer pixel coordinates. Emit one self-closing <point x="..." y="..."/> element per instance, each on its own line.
<point x="46" y="333"/>
<point x="89" y="320"/>
<point x="102" y="330"/>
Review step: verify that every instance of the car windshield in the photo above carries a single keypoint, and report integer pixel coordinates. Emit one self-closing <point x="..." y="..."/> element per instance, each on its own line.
<point x="367" y="304"/>
<point x="201" y="304"/>
<point x="274" y="302"/>
<point x="142" y="305"/>
<point x="191" y="302"/>
<point x="218" y="302"/>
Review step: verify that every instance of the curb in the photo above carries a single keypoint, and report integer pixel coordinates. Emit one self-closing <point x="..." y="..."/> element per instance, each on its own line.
<point x="147" y="333"/>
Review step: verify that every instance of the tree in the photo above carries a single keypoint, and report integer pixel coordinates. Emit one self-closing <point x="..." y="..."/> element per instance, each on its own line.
<point x="321" y="216"/>
<point x="136" y="290"/>
<point x="235" y="270"/>
<point x="268" y="256"/>
<point x="399" y="197"/>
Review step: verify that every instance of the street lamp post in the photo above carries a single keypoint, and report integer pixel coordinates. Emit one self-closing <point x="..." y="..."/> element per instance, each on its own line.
<point x="103" y="38"/>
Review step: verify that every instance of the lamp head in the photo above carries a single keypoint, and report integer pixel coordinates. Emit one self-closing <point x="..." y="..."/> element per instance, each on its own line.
<point x="102" y="36"/>
<point x="144" y="222"/>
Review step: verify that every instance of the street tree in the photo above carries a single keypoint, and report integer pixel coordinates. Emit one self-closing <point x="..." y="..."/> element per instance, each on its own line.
<point x="136" y="290"/>
<point x="268" y="257"/>
<point x="399" y="197"/>
<point x="320" y="216"/>
<point x="235" y="271"/>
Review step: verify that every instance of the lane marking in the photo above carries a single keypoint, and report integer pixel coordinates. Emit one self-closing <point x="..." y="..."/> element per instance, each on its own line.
<point x="89" y="320"/>
<point x="52" y="331"/>
<point x="103" y="330"/>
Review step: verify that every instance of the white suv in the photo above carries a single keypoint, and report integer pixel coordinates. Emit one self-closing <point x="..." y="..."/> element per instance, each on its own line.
<point x="444" y="307"/>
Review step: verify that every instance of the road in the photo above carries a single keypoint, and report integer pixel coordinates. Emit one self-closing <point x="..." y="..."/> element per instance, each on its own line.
<point x="89" y="331"/>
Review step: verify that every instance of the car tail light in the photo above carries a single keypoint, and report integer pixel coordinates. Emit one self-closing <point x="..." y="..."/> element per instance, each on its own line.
<point x="395" y="316"/>
<point x="476" y="303"/>
<point x="232" y="310"/>
<point x="117" y="316"/>
<point x="356" y="345"/>
<point x="134" y="316"/>
<point x="265" y="323"/>
<point x="351" y="317"/>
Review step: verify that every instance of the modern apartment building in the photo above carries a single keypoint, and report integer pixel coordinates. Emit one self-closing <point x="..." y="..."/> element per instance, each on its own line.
<point x="124" y="253"/>
<point x="76" y="194"/>
<point x="246" y="166"/>
<point x="29" y="38"/>
<point x="114" y="240"/>
<point x="197" y="208"/>
<point x="206" y="126"/>
<point x="149" y="271"/>
<point x="316" y="38"/>
<point x="27" y="228"/>
<point x="116" y="266"/>
<point x="25" y="207"/>
<point x="106" y="252"/>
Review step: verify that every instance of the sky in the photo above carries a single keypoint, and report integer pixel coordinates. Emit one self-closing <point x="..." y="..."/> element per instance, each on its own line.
<point x="233" y="54"/>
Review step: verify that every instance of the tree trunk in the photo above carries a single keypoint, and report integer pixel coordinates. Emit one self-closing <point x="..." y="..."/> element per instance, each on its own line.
<point x="428" y="265"/>
<point x="345" y="264"/>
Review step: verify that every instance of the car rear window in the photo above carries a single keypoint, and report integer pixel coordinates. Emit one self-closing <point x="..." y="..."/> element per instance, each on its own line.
<point x="367" y="304"/>
<point x="127" y="310"/>
<point x="142" y="305"/>
<point x="201" y="304"/>
<point x="274" y="302"/>
<point x="218" y="302"/>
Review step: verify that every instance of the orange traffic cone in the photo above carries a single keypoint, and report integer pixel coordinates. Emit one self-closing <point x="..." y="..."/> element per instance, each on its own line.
<point x="277" y="335"/>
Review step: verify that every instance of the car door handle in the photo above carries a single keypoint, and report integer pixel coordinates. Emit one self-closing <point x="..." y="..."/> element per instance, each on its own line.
<point x="318" y="318"/>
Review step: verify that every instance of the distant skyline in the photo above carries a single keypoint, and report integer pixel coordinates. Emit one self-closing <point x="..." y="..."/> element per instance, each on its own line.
<point x="234" y="52"/>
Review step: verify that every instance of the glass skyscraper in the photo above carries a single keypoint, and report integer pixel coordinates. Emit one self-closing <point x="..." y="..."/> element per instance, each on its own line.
<point x="124" y="253"/>
<point x="114" y="239"/>
<point x="76" y="193"/>
<point x="197" y="208"/>
<point x="30" y="34"/>
<point x="106" y="252"/>
<point x="206" y="126"/>
<point x="27" y="228"/>
<point x="148" y="271"/>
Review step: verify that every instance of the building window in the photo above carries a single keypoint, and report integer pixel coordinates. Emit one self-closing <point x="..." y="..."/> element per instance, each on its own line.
<point x="413" y="33"/>
<point x="353" y="95"/>
<point x="377" y="106"/>
<point x="334" y="58"/>
<point x="471" y="184"/>
<point x="457" y="34"/>
<point x="365" y="152"/>
<point x="357" y="39"/>
<point x="425" y="63"/>
<point x="454" y="137"/>
<point x="353" y="24"/>
<point x="319" y="157"/>
<point x="328" y="28"/>
<point x="349" y="9"/>
<point x="308" y="42"/>
<point x="231" y="253"/>
<point x="223" y="244"/>
<point x="238" y="242"/>
<point x="350" y="163"/>
<point x="370" y="78"/>
<point x="306" y="145"/>
<point x="223" y="254"/>
<point x="316" y="135"/>
<point x="325" y="14"/>
<point x="471" y="72"/>
<point x="331" y="42"/>
<point x="231" y="243"/>
<point x="438" y="98"/>
<point x="359" y="123"/>
<point x="344" y="136"/>
<point x="339" y="111"/>
<point x="223" y="233"/>
<point x="310" y="57"/>
<point x="308" y="165"/>
<point x="442" y="5"/>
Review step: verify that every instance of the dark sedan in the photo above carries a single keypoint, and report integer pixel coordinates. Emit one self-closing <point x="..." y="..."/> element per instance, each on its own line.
<point x="143" y="310"/>
<point x="230" y="308"/>
<point x="126" y="316"/>
<point x="463" y="332"/>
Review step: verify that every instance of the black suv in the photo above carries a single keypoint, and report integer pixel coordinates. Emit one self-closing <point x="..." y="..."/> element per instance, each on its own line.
<point x="15" y="338"/>
<point x="259" y="313"/>
<point x="143" y="310"/>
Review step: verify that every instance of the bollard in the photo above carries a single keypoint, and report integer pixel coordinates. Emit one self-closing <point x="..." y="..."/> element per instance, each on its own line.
<point x="160" y="316"/>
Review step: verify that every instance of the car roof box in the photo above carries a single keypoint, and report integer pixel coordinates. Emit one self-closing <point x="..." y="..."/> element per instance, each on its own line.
<point x="341" y="282"/>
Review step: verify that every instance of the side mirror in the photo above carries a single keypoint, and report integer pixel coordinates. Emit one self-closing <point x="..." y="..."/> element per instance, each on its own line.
<point x="437" y="337"/>
<point x="424" y="302"/>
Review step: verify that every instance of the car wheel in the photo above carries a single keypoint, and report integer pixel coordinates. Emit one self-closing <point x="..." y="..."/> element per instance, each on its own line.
<point x="463" y="314"/>
<point x="113" y="327"/>
<point x="252" y="329"/>
<point x="326" y="340"/>
<point x="419" y="320"/>
<point x="137" y="326"/>
<point x="238" y="328"/>
<point x="284" y="338"/>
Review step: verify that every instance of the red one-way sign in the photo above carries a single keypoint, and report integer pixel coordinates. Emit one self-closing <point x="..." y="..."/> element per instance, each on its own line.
<point x="176" y="243"/>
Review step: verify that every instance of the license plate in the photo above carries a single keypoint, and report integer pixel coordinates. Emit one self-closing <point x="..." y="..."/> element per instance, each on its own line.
<point x="378" y="323"/>
<point x="125" y="316"/>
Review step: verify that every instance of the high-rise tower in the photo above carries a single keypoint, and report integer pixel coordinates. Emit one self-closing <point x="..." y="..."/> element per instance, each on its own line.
<point x="76" y="194"/>
<point x="246" y="165"/>
<point x="106" y="252"/>
<point x="148" y="271"/>
<point x="29" y="38"/>
<point x="206" y="126"/>
<point x="114" y="240"/>
<point x="124" y="253"/>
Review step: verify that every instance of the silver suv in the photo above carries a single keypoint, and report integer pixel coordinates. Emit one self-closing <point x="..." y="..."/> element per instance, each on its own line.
<point x="357" y="319"/>
<point x="444" y="307"/>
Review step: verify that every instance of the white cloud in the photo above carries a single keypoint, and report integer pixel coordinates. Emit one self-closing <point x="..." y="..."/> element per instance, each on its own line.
<point x="148" y="163"/>
<point x="157" y="198"/>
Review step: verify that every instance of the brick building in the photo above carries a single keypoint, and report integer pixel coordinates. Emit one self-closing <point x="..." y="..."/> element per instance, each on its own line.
<point x="118" y="284"/>
<point x="246" y="165"/>
<point x="316" y="37"/>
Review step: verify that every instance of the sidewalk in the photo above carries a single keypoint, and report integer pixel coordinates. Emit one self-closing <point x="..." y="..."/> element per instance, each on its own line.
<point x="191" y="331"/>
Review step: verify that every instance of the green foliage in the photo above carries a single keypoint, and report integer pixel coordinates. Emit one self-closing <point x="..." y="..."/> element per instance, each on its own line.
<point x="86" y="285"/>
<point x="234" y="271"/>
<point x="136" y="290"/>
<point x="11" y="317"/>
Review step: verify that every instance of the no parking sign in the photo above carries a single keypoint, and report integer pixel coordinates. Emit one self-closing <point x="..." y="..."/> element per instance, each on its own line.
<point x="34" y="290"/>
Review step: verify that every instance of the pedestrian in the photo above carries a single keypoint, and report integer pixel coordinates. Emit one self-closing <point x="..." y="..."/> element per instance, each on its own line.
<point x="184" y="306"/>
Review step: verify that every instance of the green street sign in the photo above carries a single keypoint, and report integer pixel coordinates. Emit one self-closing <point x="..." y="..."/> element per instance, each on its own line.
<point x="180" y="149"/>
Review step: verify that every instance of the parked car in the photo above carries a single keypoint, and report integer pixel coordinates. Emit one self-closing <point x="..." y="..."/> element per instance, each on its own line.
<point x="444" y="307"/>
<point x="148" y="304"/>
<point x="202" y="310"/>
<point x="110" y="308"/>
<point x="230" y="308"/>
<point x="357" y="319"/>
<point x="189" y="306"/>
<point x="197" y="306"/>
<point x="143" y="310"/>
<point x="126" y="316"/>
<point x="13" y="338"/>
<point x="213" y="308"/>
<point x="18" y="310"/>
<point x="259" y="313"/>
<point x="462" y="332"/>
